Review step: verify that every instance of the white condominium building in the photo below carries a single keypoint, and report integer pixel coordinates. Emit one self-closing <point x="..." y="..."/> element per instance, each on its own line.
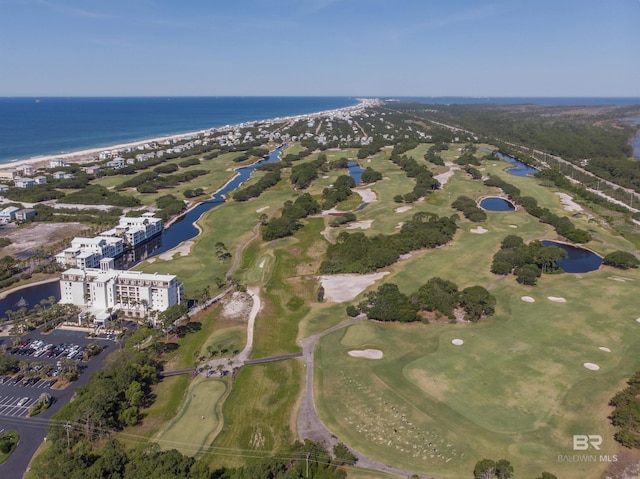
<point x="87" y="252"/>
<point x="107" y="289"/>
<point x="136" y="230"/>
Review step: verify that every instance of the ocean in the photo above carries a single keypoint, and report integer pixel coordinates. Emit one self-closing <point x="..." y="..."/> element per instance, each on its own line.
<point x="53" y="126"/>
<point x="32" y="127"/>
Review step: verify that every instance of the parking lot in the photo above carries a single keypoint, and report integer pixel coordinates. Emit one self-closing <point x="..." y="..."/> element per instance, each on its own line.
<point x="45" y="353"/>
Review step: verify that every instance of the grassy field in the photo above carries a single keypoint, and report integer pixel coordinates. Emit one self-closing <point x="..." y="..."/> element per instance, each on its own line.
<point x="199" y="419"/>
<point x="517" y="387"/>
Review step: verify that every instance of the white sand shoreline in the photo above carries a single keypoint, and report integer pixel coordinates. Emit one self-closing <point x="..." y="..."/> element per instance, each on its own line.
<point x="90" y="154"/>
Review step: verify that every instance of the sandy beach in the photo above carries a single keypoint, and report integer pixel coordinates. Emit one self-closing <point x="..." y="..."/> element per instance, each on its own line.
<point x="91" y="154"/>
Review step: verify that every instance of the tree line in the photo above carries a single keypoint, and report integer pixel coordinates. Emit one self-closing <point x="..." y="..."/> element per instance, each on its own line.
<point x="438" y="296"/>
<point x="287" y="223"/>
<point x="358" y="253"/>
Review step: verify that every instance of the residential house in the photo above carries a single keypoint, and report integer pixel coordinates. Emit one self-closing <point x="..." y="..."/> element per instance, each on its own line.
<point x="24" y="182"/>
<point x="40" y="180"/>
<point x="25" y="214"/>
<point x="57" y="163"/>
<point x="8" y="214"/>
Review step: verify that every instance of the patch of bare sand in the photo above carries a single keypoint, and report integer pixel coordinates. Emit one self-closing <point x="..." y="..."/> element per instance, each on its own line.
<point x="568" y="203"/>
<point x="402" y="209"/>
<point x="400" y="225"/>
<point x="37" y="235"/>
<point x="360" y="225"/>
<point x="457" y="342"/>
<point x="367" y="195"/>
<point x="444" y="177"/>
<point x="366" y="353"/>
<point x="237" y="306"/>
<point x="345" y="287"/>
<point x="591" y="366"/>
<point x="479" y="230"/>
<point x="260" y="210"/>
<point x="183" y="248"/>
<point x="528" y="299"/>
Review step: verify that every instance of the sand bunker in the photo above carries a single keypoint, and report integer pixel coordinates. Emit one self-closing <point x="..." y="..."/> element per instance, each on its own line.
<point x="260" y="210"/>
<point x="367" y="195"/>
<point x="457" y="342"/>
<point x="400" y="225"/>
<point x="345" y="287"/>
<point x="479" y="230"/>
<point x="402" y="209"/>
<point x="360" y="225"/>
<point x="366" y="353"/>
<point x="528" y="299"/>
<point x="513" y="226"/>
<point x="184" y="249"/>
<point x="444" y="177"/>
<point x="591" y="366"/>
<point x="568" y="203"/>
<point x="638" y="320"/>
<point x="556" y="299"/>
<point x="238" y="306"/>
<point x="606" y="350"/>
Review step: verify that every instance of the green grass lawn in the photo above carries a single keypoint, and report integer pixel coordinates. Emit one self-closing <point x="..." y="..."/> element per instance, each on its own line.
<point x="517" y="388"/>
<point x="199" y="418"/>
<point x="517" y="384"/>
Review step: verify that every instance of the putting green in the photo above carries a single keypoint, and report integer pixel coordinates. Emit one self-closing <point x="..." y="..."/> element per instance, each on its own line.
<point x="198" y="420"/>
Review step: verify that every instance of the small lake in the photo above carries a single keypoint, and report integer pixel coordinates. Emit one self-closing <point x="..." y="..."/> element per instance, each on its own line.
<point x="494" y="203"/>
<point x="579" y="260"/>
<point x="355" y="170"/>
<point x="29" y="296"/>
<point x="520" y="169"/>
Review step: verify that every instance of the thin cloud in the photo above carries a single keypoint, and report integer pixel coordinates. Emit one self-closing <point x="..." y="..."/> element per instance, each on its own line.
<point x="75" y="11"/>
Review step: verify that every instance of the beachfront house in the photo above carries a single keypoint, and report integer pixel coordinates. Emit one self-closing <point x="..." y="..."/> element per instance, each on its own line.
<point x="25" y="214"/>
<point x="8" y="214"/>
<point x="3" y="188"/>
<point x="8" y="175"/>
<point x="40" y="180"/>
<point x="61" y="175"/>
<point x="26" y="170"/>
<point x="92" y="170"/>
<point x="24" y="182"/>
<point x="116" y="163"/>
<point x="57" y="163"/>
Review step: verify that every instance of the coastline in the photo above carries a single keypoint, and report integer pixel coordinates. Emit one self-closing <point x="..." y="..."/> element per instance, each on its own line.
<point x="90" y="154"/>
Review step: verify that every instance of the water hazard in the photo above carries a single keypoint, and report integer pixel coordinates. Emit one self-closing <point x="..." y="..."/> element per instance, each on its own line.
<point x="495" y="203"/>
<point x="579" y="260"/>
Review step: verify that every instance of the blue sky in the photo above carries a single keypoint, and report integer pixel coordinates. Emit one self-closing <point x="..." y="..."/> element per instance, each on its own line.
<point x="320" y="47"/>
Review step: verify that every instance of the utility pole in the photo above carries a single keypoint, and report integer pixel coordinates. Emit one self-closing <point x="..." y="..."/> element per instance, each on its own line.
<point x="308" y="464"/>
<point x="67" y="426"/>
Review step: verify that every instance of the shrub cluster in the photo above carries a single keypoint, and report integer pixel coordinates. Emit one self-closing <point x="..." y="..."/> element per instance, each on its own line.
<point x="437" y="295"/>
<point x="340" y="191"/>
<point x="469" y="209"/>
<point x="255" y="190"/>
<point x="425" y="182"/>
<point x="287" y="223"/>
<point x="626" y="415"/>
<point x="526" y="261"/>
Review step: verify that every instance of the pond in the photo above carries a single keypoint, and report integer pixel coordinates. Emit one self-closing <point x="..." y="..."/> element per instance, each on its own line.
<point x="29" y="296"/>
<point x="579" y="260"/>
<point x="520" y="169"/>
<point x="494" y="203"/>
<point x="355" y="170"/>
